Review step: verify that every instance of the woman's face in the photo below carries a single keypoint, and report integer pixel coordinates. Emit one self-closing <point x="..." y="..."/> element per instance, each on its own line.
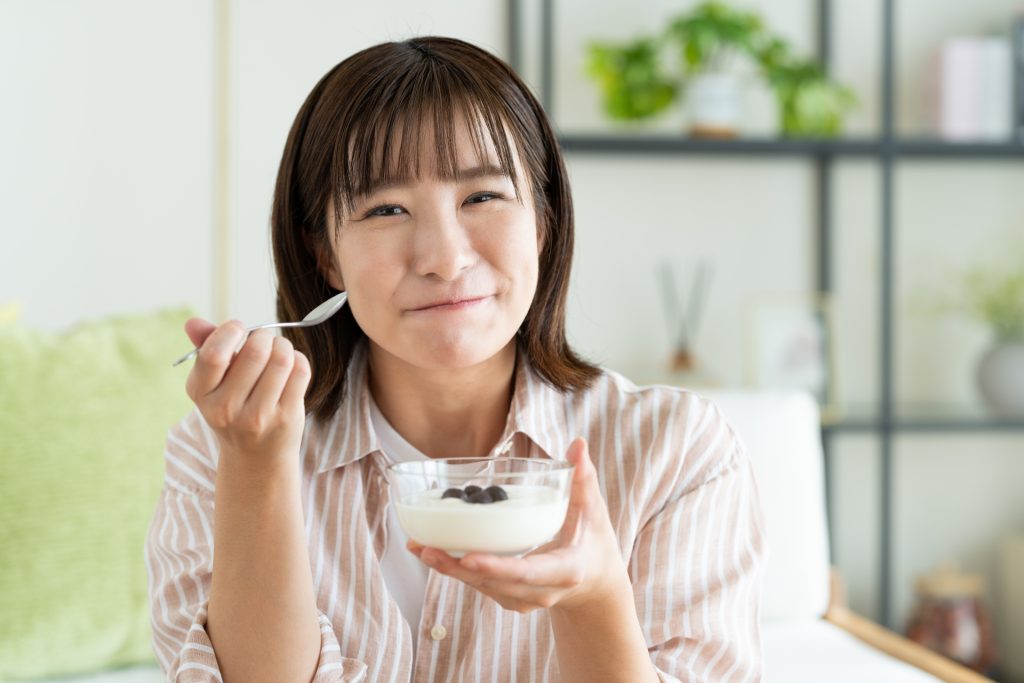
<point x="441" y="273"/>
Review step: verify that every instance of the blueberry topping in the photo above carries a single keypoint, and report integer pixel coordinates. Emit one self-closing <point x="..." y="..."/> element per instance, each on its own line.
<point x="470" y="490"/>
<point x="455" y="493"/>
<point x="480" y="496"/>
<point x="496" y="493"/>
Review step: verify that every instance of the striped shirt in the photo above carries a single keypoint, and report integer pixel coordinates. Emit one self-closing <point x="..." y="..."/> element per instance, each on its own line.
<point x="680" y="493"/>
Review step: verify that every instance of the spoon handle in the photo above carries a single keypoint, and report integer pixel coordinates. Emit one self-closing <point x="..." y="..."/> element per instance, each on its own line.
<point x="248" y="330"/>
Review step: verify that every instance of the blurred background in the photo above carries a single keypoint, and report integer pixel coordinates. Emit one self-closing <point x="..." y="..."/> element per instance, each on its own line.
<point x="794" y="193"/>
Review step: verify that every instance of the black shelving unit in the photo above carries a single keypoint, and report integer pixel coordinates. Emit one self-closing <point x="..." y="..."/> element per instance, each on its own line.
<point x="885" y="420"/>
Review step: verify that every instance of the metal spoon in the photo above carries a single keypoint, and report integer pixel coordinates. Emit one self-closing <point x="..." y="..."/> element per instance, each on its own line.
<point x="315" y="317"/>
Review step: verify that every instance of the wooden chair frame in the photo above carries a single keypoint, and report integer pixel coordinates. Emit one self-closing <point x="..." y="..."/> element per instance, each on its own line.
<point x="891" y="643"/>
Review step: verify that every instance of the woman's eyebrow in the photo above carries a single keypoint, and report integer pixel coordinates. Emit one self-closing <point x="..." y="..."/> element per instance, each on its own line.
<point x="461" y="175"/>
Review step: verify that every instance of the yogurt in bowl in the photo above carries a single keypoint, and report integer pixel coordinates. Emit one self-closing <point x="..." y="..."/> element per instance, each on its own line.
<point x="504" y="505"/>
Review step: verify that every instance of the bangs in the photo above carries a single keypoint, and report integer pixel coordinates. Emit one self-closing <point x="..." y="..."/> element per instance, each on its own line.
<point x="433" y="98"/>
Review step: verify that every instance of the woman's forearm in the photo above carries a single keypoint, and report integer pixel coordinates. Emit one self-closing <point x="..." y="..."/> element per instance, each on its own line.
<point x="262" y="615"/>
<point x="602" y="641"/>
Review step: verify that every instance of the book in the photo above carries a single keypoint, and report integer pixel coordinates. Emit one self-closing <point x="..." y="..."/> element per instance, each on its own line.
<point x="975" y="89"/>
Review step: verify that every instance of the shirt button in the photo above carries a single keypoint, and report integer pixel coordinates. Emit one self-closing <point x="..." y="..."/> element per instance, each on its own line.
<point x="438" y="632"/>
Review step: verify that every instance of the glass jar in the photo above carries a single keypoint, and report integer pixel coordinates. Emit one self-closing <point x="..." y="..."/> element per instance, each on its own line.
<point x="951" y="618"/>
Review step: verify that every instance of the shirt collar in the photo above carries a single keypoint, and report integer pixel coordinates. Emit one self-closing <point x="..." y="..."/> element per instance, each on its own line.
<point x="537" y="411"/>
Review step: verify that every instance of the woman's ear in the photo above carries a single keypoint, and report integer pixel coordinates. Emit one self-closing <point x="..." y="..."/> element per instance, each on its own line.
<point x="330" y="270"/>
<point x="325" y="262"/>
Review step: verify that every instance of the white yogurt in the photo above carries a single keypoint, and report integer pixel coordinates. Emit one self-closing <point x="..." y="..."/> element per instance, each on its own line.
<point x="531" y="516"/>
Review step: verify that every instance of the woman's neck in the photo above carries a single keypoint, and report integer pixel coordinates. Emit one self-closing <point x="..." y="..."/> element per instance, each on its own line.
<point x="445" y="413"/>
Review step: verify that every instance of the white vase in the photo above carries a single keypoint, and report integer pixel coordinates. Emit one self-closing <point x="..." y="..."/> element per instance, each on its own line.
<point x="1001" y="378"/>
<point x="714" y="104"/>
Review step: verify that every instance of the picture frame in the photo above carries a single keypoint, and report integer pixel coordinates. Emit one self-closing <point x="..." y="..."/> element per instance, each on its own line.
<point x="791" y="345"/>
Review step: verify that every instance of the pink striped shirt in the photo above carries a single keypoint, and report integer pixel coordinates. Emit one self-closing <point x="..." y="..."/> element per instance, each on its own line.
<point x="681" y="496"/>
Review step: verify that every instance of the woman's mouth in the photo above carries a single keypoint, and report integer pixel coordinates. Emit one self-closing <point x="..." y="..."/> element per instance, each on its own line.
<point x="451" y="305"/>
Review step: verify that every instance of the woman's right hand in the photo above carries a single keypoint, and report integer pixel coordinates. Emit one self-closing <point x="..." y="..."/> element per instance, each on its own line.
<point x="255" y="401"/>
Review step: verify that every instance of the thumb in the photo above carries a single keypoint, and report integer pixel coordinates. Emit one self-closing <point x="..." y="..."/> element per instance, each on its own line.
<point x="583" y="493"/>
<point x="584" y="477"/>
<point x="198" y="330"/>
<point x="577" y="454"/>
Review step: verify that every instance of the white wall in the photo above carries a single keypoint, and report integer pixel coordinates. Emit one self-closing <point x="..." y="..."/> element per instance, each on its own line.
<point x="107" y="139"/>
<point x="105" y="157"/>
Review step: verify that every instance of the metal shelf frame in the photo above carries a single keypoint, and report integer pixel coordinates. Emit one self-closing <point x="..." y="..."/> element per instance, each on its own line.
<point x="887" y="149"/>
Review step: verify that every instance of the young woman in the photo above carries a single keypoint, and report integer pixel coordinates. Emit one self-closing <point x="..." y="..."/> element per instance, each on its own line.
<point x="423" y="178"/>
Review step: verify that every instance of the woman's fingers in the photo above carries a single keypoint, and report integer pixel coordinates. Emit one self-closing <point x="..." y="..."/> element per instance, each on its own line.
<point x="198" y="330"/>
<point x="583" y="492"/>
<point x="584" y="477"/>
<point x="293" y="398"/>
<point x="245" y="370"/>
<point x="214" y="358"/>
<point x="558" y="568"/>
<point x="250" y="389"/>
<point x="266" y="395"/>
<point x="507" y="584"/>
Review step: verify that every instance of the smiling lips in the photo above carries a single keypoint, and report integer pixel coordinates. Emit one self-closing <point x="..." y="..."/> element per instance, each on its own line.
<point x="455" y="304"/>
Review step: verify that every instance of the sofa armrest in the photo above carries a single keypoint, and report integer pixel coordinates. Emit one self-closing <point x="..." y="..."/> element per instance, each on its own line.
<point x="893" y="644"/>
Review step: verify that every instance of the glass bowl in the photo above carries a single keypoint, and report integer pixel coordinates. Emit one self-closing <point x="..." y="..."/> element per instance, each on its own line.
<point x="438" y="507"/>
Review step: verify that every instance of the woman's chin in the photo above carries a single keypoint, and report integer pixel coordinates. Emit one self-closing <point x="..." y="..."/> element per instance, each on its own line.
<point x="458" y="353"/>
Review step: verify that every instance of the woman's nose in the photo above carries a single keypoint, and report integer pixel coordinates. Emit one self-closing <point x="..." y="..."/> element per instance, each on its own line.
<point x="442" y="246"/>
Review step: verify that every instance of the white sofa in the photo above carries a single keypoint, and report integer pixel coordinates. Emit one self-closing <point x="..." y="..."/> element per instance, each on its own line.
<point x="807" y="636"/>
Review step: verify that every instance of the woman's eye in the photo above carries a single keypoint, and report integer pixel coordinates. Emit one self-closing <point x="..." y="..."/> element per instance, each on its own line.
<point x="394" y="210"/>
<point x="386" y="210"/>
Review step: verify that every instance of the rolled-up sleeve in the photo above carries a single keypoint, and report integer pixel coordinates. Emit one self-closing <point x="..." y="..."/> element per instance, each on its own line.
<point x="179" y="564"/>
<point x="697" y="581"/>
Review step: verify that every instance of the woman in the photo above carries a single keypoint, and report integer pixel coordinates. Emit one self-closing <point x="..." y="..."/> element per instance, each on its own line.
<point x="423" y="178"/>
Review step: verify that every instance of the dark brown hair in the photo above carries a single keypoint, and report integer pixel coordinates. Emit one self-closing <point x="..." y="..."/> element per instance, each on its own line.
<point x="359" y="127"/>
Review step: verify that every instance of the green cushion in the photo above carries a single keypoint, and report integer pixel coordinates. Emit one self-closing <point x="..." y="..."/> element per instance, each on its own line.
<point x="9" y="313"/>
<point x="83" y="419"/>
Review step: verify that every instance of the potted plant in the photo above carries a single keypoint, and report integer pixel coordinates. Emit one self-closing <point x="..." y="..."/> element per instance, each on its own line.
<point x="810" y="103"/>
<point x="708" y="42"/>
<point x="632" y="79"/>
<point x="997" y="299"/>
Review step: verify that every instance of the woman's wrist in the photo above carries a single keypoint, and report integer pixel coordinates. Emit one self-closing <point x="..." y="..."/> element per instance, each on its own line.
<point x="599" y="638"/>
<point x="257" y="472"/>
<point x="611" y="592"/>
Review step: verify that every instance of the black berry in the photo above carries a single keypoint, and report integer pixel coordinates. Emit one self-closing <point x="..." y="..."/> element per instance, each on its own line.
<point x="454" y="493"/>
<point x="480" y="497"/>
<point x="471" y="489"/>
<point x="496" y="493"/>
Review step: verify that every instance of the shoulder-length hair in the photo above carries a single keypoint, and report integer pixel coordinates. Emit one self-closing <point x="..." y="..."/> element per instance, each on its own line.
<point x="359" y="127"/>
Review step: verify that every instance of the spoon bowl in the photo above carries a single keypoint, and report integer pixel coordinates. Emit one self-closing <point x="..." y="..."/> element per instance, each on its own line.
<point x="314" y="317"/>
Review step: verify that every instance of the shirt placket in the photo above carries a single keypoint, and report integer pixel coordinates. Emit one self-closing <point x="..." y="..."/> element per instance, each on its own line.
<point x="435" y="629"/>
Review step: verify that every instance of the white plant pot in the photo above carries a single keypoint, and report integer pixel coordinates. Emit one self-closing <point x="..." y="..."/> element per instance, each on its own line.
<point x="714" y="104"/>
<point x="1001" y="378"/>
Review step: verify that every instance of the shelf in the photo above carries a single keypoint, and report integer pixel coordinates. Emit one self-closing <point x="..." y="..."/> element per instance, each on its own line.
<point x="935" y="148"/>
<point x="922" y="419"/>
<point x="663" y="144"/>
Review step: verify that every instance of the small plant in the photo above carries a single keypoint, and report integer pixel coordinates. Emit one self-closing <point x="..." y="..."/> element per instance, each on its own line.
<point x="631" y="78"/>
<point x="709" y="39"/>
<point x="810" y="103"/>
<point x="992" y="294"/>
<point x="713" y="35"/>
<point x="997" y="299"/>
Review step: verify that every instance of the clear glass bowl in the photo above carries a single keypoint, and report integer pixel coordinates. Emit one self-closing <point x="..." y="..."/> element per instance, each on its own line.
<point x="537" y="491"/>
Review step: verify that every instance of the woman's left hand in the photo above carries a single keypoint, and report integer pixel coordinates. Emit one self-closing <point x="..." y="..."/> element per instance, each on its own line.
<point x="580" y="565"/>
